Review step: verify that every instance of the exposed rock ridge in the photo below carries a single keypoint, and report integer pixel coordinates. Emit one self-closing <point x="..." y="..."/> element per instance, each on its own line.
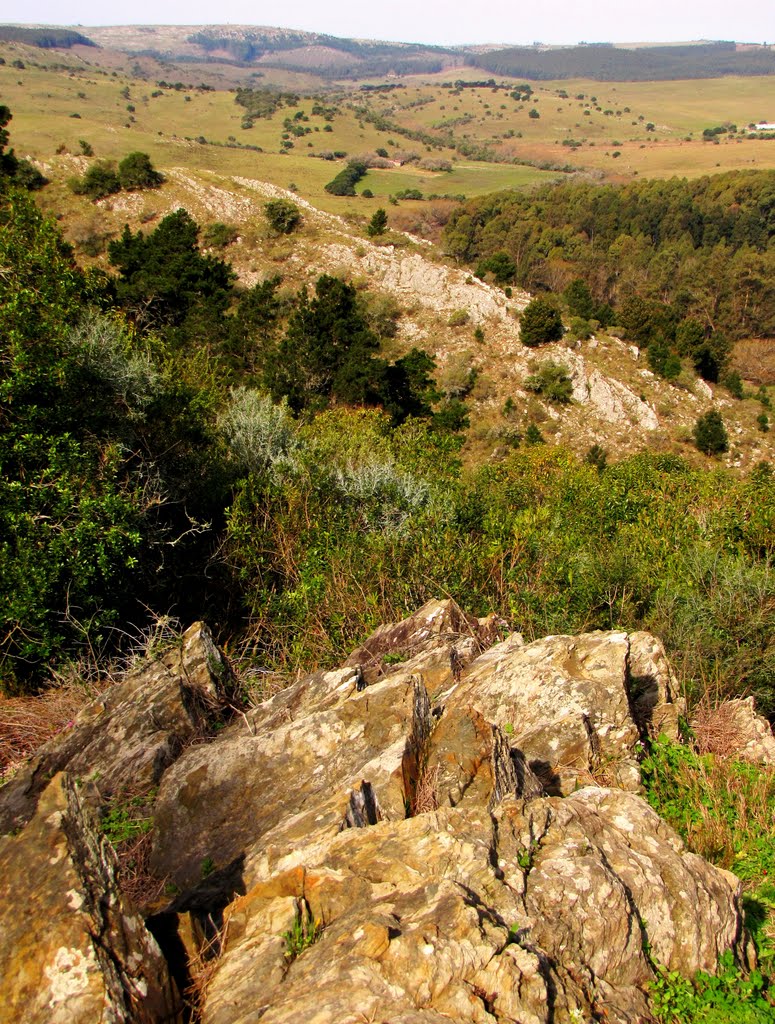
<point x="448" y="827"/>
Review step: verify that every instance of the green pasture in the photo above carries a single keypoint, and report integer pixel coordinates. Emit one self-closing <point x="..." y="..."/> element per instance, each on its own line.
<point x="202" y="130"/>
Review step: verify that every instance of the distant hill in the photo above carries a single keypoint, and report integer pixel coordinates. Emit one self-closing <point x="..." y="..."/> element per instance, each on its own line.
<point x="46" y="38"/>
<point x="334" y="58"/>
<point x="312" y="52"/>
<point x="606" y="63"/>
<point x="338" y="58"/>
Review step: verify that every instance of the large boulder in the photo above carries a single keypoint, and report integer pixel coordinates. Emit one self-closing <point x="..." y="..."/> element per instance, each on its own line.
<point x="71" y="950"/>
<point x="532" y="913"/>
<point x="133" y="731"/>
<point x="251" y="801"/>
<point x="448" y="827"/>
<point x="572" y="705"/>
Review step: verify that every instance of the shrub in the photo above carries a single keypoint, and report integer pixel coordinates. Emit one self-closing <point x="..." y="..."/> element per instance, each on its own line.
<point x="458" y="318"/>
<point x="283" y="215"/>
<point x="219" y="235"/>
<point x="100" y="180"/>
<point x="540" y="323"/>
<point x="710" y="435"/>
<point x="733" y="383"/>
<point x="377" y="224"/>
<point x="260" y="435"/>
<point x="552" y="381"/>
<point x="136" y="172"/>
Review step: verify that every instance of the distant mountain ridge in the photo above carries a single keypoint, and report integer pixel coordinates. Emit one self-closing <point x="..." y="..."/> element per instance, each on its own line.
<point x="336" y="57"/>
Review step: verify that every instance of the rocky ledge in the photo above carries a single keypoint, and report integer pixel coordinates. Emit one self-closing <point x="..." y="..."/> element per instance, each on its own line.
<point x="449" y="827"/>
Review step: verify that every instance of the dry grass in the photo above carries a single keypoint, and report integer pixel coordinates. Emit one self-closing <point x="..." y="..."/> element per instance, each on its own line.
<point x="202" y="966"/>
<point x="715" y="728"/>
<point x="135" y="877"/>
<point x="26" y="723"/>
<point x="426" y="797"/>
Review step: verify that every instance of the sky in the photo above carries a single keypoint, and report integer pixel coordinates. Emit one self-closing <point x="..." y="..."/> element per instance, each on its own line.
<point x="434" y="21"/>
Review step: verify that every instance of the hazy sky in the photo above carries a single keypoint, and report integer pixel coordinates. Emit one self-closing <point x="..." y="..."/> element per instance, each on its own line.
<point x="434" y="21"/>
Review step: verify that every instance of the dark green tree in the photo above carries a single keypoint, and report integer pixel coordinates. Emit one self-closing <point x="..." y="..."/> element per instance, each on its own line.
<point x="19" y="171"/>
<point x="710" y="435"/>
<point x="283" y="215"/>
<point x="136" y="172"/>
<point x="8" y="161"/>
<point x="533" y="435"/>
<point x="500" y="265"/>
<point x="378" y="224"/>
<point x="540" y="323"/>
<point x="579" y="299"/>
<point x="165" y="279"/>
<point x="327" y="350"/>
<point x="409" y="388"/>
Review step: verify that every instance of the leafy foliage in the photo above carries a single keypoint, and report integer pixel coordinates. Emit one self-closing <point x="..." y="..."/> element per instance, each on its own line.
<point x="304" y="933"/>
<point x="710" y="434"/>
<point x="723" y="809"/>
<point x="540" y="323"/>
<point x="283" y="215"/>
<point x="729" y="997"/>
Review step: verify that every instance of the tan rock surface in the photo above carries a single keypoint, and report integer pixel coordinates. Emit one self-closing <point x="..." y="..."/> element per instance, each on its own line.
<point x="71" y="950"/>
<point x="132" y="731"/>
<point x="564" y="702"/>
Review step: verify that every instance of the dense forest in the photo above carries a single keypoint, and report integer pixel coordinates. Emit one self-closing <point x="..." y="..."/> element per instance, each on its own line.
<point x="679" y="264"/>
<point x="606" y="63"/>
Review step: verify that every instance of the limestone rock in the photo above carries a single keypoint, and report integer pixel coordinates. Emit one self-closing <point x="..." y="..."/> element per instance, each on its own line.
<point x="439" y="640"/>
<point x="132" y="731"/>
<point x="657" y="706"/>
<point x="524" y="914"/>
<point x="377" y="842"/>
<point x="71" y="951"/>
<point x="564" y="702"/>
<point x="251" y="800"/>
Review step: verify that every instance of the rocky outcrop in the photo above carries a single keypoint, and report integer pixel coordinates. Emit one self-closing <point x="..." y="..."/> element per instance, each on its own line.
<point x="448" y="827"/>
<point x="71" y="950"/>
<point x="128" y="736"/>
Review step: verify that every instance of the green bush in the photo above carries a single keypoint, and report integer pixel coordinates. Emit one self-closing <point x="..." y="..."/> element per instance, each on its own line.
<point x="284" y="216"/>
<point x="540" y="323"/>
<point x="219" y="235"/>
<point x="136" y="172"/>
<point x="100" y="180"/>
<point x="552" y="381"/>
<point x="710" y="435"/>
<point x="731" y="996"/>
